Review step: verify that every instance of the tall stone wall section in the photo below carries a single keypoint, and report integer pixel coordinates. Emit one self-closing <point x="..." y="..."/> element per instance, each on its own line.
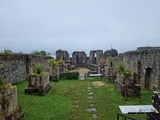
<point x="62" y="55"/>
<point x="96" y="56"/>
<point x="79" y="58"/>
<point x="16" y="67"/>
<point x="100" y="56"/>
<point x="146" y="63"/>
<point x="92" y="57"/>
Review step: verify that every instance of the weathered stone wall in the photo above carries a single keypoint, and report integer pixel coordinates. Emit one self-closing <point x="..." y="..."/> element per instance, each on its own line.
<point x="33" y="60"/>
<point x="13" y="67"/>
<point x="79" y="58"/>
<point x="146" y="63"/>
<point x="62" y="55"/>
<point x="9" y="108"/>
<point x="16" y="67"/>
<point x="100" y="56"/>
<point x="96" y="56"/>
<point x="92" y="57"/>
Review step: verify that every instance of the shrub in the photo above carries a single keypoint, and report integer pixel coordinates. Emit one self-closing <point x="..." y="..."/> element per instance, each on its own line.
<point x="3" y="85"/>
<point x="38" y="68"/>
<point x="2" y="81"/>
<point x="52" y="62"/>
<point x="111" y="59"/>
<point x="123" y="69"/>
<point x="69" y="75"/>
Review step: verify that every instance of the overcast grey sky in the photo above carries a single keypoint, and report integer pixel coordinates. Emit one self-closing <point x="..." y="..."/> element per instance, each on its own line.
<point x="79" y="25"/>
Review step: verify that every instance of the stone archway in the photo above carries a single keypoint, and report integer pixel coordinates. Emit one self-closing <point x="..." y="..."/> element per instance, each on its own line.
<point x="148" y="73"/>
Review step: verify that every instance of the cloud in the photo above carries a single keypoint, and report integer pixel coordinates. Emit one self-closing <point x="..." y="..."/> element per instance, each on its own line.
<point x="78" y="25"/>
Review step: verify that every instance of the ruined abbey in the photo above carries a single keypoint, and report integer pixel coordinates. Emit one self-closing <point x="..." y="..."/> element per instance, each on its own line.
<point x="144" y="61"/>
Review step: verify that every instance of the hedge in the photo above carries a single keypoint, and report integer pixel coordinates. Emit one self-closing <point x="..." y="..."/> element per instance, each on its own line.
<point x="69" y="75"/>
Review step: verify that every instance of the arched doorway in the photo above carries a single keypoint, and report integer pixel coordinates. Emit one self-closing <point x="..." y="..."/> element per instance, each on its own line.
<point x="148" y="77"/>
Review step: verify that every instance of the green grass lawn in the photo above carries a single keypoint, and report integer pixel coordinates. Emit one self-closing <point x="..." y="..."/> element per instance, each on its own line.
<point x="68" y="100"/>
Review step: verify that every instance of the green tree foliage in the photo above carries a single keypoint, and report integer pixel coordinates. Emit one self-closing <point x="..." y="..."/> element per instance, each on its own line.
<point x="20" y="53"/>
<point x="6" y="52"/>
<point x="42" y="53"/>
<point x="39" y="53"/>
<point x="112" y="52"/>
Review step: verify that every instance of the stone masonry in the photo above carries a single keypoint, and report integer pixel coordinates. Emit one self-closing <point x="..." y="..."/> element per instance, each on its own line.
<point x="9" y="108"/>
<point x="79" y="58"/>
<point x="146" y="63"/>
<point x="62" y="55"/>
<point x="96" y="56"/>
<point x="16" y="67"/>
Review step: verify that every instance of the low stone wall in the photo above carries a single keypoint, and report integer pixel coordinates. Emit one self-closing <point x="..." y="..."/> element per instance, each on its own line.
<point x="16" y="67"/>
<point x="128" y="90"/>
<point x="110" y="74"/>
<point x="38" y="84"/>
<point x="119" y="87"/>
<point x="9" y="108"/>
<point x="156" y="102"/>
<point x="32" y="60"/>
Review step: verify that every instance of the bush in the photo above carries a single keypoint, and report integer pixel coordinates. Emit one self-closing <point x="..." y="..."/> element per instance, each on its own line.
<point x="69" y="75"/>
<point x="2" y="81"/>
<point x="123" y="69"/>
<point x="3" y="85"/>
<point x="38" y="69"/>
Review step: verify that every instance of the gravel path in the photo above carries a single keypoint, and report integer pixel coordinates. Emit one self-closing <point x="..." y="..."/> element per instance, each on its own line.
<point x="82" y="72"/>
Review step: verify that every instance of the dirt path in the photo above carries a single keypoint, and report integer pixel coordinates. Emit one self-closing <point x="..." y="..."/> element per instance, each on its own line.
<point x="82" y="72"/>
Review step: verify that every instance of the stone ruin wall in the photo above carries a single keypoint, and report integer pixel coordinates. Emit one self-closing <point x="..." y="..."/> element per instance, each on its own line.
<point x="33" y="60"/>
<point x="141" y="61"/>
<point x="96" y="56"/>
<point x="16" y="67"/>
<point x="13" y="67"/>
<point x="62" y="55"/>
<point x="9" y="108"/>
<point x="79" y="59"/>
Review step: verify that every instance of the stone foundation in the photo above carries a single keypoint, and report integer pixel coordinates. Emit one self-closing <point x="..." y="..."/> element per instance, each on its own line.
<point x="9" y="108"/>
<point x="128" y="90"/>
<point x="156" y="102"/>
<point x="38" y="85"/>
<point x="110" y="74"/>
<point x="54" y="74"/>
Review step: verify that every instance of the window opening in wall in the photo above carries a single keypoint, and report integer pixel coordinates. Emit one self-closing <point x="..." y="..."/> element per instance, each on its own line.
<point x="95" y="58"/>
<point x="148" y="77"/>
